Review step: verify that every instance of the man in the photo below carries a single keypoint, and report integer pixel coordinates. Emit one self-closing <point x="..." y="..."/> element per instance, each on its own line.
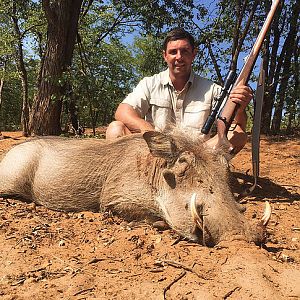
<point x="176" y="96"/>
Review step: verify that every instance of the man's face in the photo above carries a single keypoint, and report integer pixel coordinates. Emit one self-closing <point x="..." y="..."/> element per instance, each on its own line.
<point x="179" y="56"/>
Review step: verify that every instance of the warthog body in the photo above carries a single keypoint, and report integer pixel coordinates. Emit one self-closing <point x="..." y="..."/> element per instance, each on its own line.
<point x="152" y="176"/>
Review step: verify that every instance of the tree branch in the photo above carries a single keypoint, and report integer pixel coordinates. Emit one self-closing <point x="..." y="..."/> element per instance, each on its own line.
<point x="117" y="21"/>
<point x="243" y="36"/>
<point x="90" y="2"/>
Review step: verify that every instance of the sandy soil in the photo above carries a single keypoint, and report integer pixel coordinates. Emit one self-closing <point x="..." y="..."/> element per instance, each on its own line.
<point x="53" y="255"/>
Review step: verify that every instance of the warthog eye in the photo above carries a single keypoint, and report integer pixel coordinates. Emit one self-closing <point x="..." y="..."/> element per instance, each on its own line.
<point x="182" y="160"/>
<point x="187" y="158"/>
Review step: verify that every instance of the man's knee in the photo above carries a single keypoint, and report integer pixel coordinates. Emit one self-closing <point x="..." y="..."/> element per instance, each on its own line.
<point x="116" y="129"/>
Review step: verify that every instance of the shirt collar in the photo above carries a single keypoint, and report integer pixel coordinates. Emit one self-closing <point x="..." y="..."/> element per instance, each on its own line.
<point x="165" y="78"/>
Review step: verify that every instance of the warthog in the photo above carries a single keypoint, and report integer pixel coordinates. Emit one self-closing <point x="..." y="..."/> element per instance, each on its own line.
<point x="152" y="176"/>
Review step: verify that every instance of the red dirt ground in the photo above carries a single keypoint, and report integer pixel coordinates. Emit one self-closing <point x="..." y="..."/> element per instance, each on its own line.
<point x="53" y="255"/>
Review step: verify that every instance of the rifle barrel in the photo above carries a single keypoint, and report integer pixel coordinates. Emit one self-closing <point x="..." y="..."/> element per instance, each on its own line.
<point x="229" y="110"/>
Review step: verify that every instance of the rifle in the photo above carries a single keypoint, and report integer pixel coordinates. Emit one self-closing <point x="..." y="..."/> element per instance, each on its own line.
<point x="226" y="114"/>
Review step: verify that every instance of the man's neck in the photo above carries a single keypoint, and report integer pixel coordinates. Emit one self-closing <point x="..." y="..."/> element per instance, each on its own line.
<point x="179" y="82"/>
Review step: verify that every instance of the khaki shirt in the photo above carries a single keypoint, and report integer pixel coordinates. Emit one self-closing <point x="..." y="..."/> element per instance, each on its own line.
<point x="155" y="100"/>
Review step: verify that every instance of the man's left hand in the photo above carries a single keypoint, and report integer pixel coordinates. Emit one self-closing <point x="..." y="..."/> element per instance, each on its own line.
<point x="241" y="95"/>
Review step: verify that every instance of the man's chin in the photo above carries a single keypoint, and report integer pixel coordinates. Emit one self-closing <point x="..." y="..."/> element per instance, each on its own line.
<point x="178" y="70"/>
<point x="181" y="71"/>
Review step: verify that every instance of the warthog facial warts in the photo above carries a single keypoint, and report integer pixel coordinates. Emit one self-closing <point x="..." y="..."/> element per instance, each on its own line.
<point x="151" y="176"/>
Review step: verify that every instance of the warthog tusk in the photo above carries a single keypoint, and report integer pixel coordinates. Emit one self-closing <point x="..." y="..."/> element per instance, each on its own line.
<point x="267" y="214"/>
<point x="195" y="214"/>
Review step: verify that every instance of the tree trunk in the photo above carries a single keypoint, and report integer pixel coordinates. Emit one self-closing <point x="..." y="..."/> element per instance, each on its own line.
<point x="73" y="111"/>
<point x="273" y="65"/>
<point x="1" y="87"/>
<point x="292" y="123"/>
<point x="62" y="18"/>
<point x="22" y="73"/>
<point x="239" y="34"/>
<point x="286" y="72"/>
<point x="2" y="80"/>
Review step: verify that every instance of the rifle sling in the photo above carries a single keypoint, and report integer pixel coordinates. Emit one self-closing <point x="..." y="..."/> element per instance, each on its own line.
<point x="258" y="103"/>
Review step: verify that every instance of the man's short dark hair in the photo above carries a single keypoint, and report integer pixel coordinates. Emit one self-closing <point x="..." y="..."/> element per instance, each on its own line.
<point x="178" y="34"/>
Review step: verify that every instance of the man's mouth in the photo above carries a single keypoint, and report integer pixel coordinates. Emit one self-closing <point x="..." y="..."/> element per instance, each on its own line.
<point x="179" y="66"/>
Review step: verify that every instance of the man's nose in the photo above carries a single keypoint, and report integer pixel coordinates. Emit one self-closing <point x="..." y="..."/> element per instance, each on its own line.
<point x="178" y="54"/>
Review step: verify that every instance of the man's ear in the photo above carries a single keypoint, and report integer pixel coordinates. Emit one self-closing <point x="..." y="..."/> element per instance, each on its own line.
<point x="195" y="51"/>
<point x="164" y="55"/>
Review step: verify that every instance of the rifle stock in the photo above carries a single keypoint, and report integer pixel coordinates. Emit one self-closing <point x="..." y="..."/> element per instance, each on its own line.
<point x="228" y="112"/>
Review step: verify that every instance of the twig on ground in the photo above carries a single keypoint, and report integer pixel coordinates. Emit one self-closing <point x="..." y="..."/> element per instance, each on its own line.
<point x="84" y="291"/>
<point x="20" y="281"/>
<point x="224" y="261"/>
<point x="95" y="260"/>
<point x="228" y="294"/>
<point x="275" y="270"/>
<point x="178" y="265"/>
<point x="178" y="239"/>
<point x="174" y="281"/>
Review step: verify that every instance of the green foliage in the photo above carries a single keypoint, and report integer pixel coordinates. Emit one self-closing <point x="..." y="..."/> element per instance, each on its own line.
<point x="119" y="42"/>
<point x="154" y="16"/>
<point x="10" y="112"/>
<point x="101" y="77"/>
<point x="28" y="18"/>
<point x="148" y="55"/>
<point x="108" y="82"/>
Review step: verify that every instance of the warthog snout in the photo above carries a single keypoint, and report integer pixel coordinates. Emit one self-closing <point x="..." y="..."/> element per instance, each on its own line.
<point x="199" y="215"/>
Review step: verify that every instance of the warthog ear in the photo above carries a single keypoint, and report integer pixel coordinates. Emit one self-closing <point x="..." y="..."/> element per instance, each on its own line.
<point x="161" y="145"/>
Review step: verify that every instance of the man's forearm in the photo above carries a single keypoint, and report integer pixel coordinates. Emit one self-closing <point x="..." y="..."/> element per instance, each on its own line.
<point x="238" y="136"/>
<point x="131" y="119"/>
<point x="241" y="119"/>
<point x="139" y="125"/>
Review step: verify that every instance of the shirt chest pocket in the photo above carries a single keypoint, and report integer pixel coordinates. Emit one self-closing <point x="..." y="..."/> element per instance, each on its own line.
<point x="160" y="113"/>
<point x="195" y="115"/>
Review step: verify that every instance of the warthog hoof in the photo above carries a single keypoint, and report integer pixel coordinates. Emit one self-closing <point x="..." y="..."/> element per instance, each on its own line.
<point x="161" y="225"/>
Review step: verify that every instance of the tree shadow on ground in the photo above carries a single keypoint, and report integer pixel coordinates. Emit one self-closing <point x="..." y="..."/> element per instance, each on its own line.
<point x="265" y="189"/>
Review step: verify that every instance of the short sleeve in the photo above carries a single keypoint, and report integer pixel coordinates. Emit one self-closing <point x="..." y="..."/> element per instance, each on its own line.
<point x="139" y="98"/>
